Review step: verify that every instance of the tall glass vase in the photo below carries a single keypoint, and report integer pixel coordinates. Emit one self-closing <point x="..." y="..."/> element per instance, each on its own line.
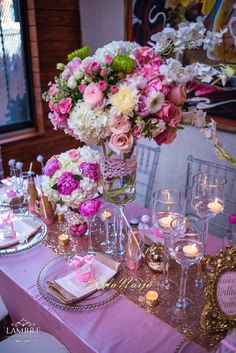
<point x="119" y="187"/>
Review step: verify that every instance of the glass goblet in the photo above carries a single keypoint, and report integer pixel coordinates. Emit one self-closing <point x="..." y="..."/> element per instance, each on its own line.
<point x="167" y="205"/>
<point x="135" y="251"/>
<point x="106" y="215"/>
<point x="207" y="200"/>
<point x="186" y="248"/>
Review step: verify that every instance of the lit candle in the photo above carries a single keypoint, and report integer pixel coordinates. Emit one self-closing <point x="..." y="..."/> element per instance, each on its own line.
<point x="190" y="250"/>
<point x="215" y="206"/>
<point x="106" y="214"/>
<point x="63" y="239"/>
<point x="166" y="221"/>
<point x="151" y="298"/>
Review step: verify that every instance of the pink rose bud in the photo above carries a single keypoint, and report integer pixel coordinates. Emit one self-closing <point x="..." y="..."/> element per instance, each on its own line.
<point x="108" y="59"/>
<point x="65" y="105"/>
<point x="102" y="85"/>
<point x="177" y="95"/>
<point x="113" y="89"/>
<point x="103" y="72"/>
<point x="82" y="88"/>
<point x="95" y="66"/>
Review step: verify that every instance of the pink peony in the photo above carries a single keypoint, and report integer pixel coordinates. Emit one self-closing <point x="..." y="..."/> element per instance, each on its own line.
<point x="65" y="105"/>
<point x="59" y="121"/>
<point x="79" y="229"/>
<point x="170" y="113"/>
<point x="66" y="184"/>
<point x="93" y="96"/>
<point x="177" y="95"/>
<point x="102" y="85"/>
<point x="53" y="90"/>
<point x="90" y="207"/>
<point x="119" y="125"/>
<point x="113" y="89"/>
<point x="90" y="170"/>
<point x="73" y="154"/>
<point x="51" y="166"/>
<point x="166" y="137"/>
<point x="107" y="59"/>
<point x="121" y="143"/>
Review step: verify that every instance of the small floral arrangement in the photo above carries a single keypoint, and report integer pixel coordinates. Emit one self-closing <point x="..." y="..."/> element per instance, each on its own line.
<point x="72" y="177"/>
<point x="125" y="91"/>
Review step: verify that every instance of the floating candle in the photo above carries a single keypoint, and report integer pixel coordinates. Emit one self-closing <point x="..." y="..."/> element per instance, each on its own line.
<point x="190" y="250"/>
<point x="151" y="297"/>
<point x="215" y="206"/>
<point x="166" y="221"/>
<point x="63" y="239"/>
<point x="106" y="214"/>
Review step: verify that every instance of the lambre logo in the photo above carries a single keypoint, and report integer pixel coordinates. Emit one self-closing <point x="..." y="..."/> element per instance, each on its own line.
<point x="25" y="328"/>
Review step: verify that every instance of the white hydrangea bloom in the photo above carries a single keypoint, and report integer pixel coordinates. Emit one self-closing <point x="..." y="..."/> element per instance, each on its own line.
<point x="114" y="48"/>
<point x="88" y="125"/>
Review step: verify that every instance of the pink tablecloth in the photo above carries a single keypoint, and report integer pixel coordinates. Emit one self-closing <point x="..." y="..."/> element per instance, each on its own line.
<point x="119" y="327"/>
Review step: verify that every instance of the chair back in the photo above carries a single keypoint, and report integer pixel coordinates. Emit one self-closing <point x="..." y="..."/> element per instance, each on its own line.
<point x="147" y="162"/>
<point x="1" y="165"/>
<point x="220" y="224"/>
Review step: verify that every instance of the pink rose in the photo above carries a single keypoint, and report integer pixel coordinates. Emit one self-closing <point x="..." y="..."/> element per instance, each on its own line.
<point x="66" y="73"/>
<point x="166" y="137"/>
<point x="93" y="96"/>
<point x="102" y="85"/>
<point x="108" y="59"/>
<point x="170" y="112"/>
<point x="113" y="89"/>
<point x="82" y="87"/>
<point x="137" y="132"/>
<point x="103" y="73"/>
<point x="119" y="125"/>
<point x="53" y="107"/>
<point x="53" y="90"/>
<point x="95" y="66"/>
<point x="65" y="105"/>
<point x="177" y="95"/>
<point x="121" y="143"/>
<point x="87" y="66"/>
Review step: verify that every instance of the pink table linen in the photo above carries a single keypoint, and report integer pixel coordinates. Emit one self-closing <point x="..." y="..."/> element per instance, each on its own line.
<point x="118" y="327"/>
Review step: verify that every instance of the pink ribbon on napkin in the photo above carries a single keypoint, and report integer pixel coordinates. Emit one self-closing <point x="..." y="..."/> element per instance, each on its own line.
<point x="78" y="262"/>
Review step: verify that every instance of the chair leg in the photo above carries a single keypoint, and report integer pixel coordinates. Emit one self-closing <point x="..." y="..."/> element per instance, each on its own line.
<point x="4" y="324"/>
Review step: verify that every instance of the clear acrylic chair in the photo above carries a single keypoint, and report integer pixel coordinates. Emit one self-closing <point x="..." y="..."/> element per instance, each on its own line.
<point x="147" y="162"/>
<point x="1" y="165"/>
<point x="220" y="224"/>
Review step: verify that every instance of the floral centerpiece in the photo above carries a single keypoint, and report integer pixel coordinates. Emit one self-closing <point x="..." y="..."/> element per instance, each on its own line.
<point x="125" y="91"/>
<point x="72" y="178"/>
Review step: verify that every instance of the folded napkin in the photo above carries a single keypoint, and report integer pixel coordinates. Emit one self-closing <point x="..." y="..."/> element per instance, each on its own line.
<point x="69" y="289"/>
<point x="24" y="229"/>
<point x="228" y="344"/>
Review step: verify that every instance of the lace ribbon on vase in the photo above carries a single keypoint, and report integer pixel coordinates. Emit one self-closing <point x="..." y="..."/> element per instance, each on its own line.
<point x="117" y="167"/>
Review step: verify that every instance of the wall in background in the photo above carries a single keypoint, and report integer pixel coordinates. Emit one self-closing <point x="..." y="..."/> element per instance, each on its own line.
<point x="104" y="21"/>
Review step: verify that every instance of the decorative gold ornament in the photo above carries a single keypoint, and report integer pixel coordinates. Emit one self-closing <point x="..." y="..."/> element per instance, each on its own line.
<point x="219" y="274"/>
<point x="154" y="257"/>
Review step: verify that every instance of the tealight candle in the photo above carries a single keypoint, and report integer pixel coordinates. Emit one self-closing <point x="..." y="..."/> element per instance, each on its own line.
<point x="63" y="239"/>
<point x="166" y="221"/>
<point x="215" y="206"/>
<point x="106" y="214"/>
<point x="190" y="250"/>
<point x="151" y="298"/>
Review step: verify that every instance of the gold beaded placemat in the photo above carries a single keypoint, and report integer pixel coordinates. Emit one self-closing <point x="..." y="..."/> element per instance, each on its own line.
<point x="188" y="324"/>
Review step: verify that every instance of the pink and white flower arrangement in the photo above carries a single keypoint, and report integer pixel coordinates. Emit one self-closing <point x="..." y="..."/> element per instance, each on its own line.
<point x="125" y="91"/>
<point x="72" y="177"/>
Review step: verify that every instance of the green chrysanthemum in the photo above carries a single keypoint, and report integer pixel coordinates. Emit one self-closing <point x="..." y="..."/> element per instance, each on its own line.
<point x="82" y="53"/>
<point x="123" y="63"/>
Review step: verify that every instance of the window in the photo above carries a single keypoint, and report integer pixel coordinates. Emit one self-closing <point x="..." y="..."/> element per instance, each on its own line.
<point x="15" y="97"/>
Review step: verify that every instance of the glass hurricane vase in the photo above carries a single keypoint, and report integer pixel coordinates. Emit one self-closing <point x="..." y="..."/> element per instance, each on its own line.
<point x="119" y="187"/>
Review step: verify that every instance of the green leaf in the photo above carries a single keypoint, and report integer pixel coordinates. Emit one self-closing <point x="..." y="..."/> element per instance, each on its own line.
<point x="82" y="53"/>
<point x="123" y="63"/>
<point x="54" y="187"/>
<point x="60" y="66"/>
<point x="78" y="177"/>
